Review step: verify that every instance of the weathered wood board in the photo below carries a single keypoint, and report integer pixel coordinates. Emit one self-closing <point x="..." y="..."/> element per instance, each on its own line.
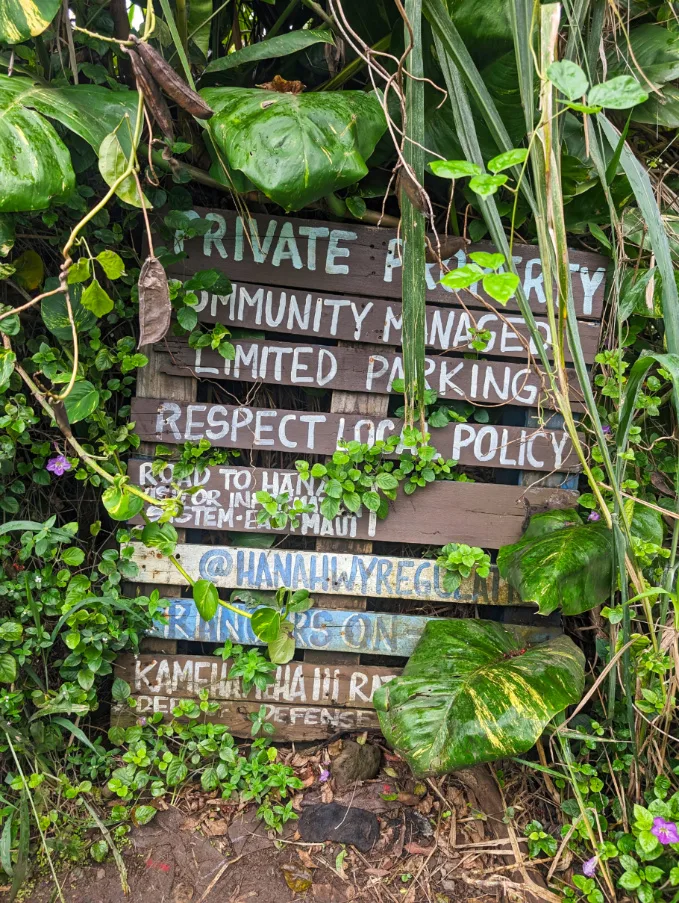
<point x="324" y="630"/>
<point x="359" y="370"/>
<point x="480" y="514"/>
<point x="239" y="426"/>
<point x="376" y="320"/>
<point x="311" y="699"/>
<point x="291" y="722"/>
<point x="348" y="258"/>
<point x="184" y="676"/>
<point x="334" y="573"/>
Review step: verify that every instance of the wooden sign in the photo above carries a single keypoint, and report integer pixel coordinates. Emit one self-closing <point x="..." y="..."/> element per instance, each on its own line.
<point x="376" y="320"/>
<point x="291" y="722"/>
<point x="347" y="258"/>
<point x="377" y="576"/>
<point x="304" y="700"/>
<point x="480" y="514"/>
<point x="239" y="426"/>
<point x="359" y="370"/>
<point x="325" y="630"/>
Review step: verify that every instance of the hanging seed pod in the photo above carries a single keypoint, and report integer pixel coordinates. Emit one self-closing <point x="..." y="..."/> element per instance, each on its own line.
<point x="155" y="308"/>
<point x="152" y="95"/>
<point x="171" y="83"/>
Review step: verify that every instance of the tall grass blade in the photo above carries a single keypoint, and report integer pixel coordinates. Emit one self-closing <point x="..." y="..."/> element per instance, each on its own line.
<point x="413" y="222"/>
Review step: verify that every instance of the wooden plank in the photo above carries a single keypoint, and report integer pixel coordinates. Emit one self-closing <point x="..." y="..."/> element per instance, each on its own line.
<point x="481" y="514"/>
<point x="291" y="722"/>
<point x="331" y="573"/>
<point x="152" y="383"/>
<point x="239" y="426"/>
<point x="323" y="630"/>
<point x="184" y="676"/>
<point x="359" y="370"/>
<point x="356" y="259"/>
<point x="376" y="320"/>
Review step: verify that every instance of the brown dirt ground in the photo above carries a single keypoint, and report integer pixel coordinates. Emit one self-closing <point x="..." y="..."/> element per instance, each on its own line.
<point x="440" y="842"/>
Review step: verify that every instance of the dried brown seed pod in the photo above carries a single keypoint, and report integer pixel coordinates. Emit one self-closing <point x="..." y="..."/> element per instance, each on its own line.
<point x="174" y="86"/>
<point x="152" y="95"/>
<point x="155" y="307"/>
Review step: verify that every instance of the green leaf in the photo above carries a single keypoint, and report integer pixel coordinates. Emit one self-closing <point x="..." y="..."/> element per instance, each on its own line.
<point x="120" y="504"/>
<point x="462" y="277"/>
<point x="35" y="166"/>
<point x="11" y="631"/>
<point x="206" y="598"/>
<point x="569" y="78"/>
<point x="29" y="270"/>
<point x="24" y="19"/>
<point x="454" y="169"/>
<point x="629" y="880"/>
<point x="501" y="286"/>
<point x="7" y="362"/>
<point x="113" y="162"/>
<point x="111" y="263"/>
<point x="386" y="481"/>
<point x="80" y="271"/>
<point x="279" y="46"/>
<point x="99" y="850"/>
<point x="176" y="772"/>
<point x="82" y="401"/>
<point x="73" y="556"/>
<point x="55" y="314"/>
<point x="470" y="694"/>
<point x="485" y="185"/>
<point x="371" y="500"/>
<point x="484" y="259"/>
<point x="96" y="299"/>
<point x="296" y="148"/>
<point x="617" y="93"/>
<point x="8" y="668"/>
<point x="160" y="536"/>
<point x="7" y="235"/>
<point x="86" y="678"/>
<point x="660" y="111"/>
<point x="282" y="649"/>
<point x="647" y="524"/>
<point x="120" y="690"/>
<point x="330" y="507"/>
<point x="557" y="565"/>
<point x="142" y="815"/>
<point x="651" y="47"/>
<point x="266" y="624"/>
<point x="72" y="639"/>
<point x="506" y="160"/>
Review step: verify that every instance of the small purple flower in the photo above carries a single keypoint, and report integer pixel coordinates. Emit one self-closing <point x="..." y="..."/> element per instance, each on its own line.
<point x="665" y="831"/>
<point x="605" y="429"/>
<point x="324" y="775"/>
<point x="589" y="867"/>
<point x="594" y="516"/>
<point x="59" y="465"/>
<point x="142" y="722"/>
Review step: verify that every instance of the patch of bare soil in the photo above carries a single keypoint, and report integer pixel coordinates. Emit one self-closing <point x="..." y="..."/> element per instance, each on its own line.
<point x="444" y="841"/>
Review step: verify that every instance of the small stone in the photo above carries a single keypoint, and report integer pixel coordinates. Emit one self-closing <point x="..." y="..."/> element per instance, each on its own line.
<point x="101" y="874"/>
<point x="339" y="825"/>
<point x="356" y="762"/>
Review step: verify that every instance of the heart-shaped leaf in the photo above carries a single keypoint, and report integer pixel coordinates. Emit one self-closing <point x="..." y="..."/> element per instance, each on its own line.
<point x="82" y="401"/>
<point x="55" y="314"/>
<point x="454" y="169"/>
<point x="121" y="504"/>
<point x="617" y="93"/>
<point x="560" y="563"/>
<point x="266" y="624"/>
<point x="470" y="693"/>
<point x="206" y="597"/>
<point x="296" y="148"/>
<point x="569" y="78"/>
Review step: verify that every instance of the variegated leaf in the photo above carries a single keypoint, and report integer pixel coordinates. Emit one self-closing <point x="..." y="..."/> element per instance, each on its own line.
<point x="470" y="694"/>
<point x="23" y="19"/>
<point x="560" y="563"/>
<point x="35" y="165"/>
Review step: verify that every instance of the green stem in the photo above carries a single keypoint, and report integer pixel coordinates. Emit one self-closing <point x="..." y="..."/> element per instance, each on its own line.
<point x="281" y="20"/>
<point x="239" y="611"/>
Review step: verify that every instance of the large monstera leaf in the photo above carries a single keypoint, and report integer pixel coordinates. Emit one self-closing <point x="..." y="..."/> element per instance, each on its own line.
<point x="23" y="19"/>
<point x="35" y="166"/>
<point x="471" y="693"/>
<point x="560" y="563"/>
<point x="296" y="148"/>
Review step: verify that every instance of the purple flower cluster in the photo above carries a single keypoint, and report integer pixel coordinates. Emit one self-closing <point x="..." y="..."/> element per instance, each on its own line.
<point x="665" y="831"/>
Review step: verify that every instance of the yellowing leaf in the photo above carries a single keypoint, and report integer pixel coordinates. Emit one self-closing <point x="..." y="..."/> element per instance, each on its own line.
<point x="29" y="270"/>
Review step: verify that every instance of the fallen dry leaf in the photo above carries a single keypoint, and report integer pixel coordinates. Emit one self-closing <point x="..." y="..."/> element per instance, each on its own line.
<point x="283" y="86"/>
<point x="306" y="859"/>
<point x="416" y="850"/>
<point x="297" y="877"/>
